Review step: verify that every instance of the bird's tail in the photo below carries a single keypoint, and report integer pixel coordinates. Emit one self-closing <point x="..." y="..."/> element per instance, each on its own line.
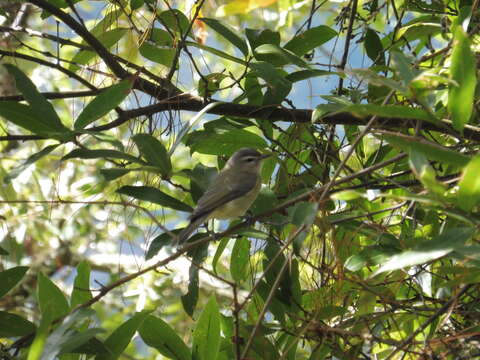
<point x="185" y="233"/>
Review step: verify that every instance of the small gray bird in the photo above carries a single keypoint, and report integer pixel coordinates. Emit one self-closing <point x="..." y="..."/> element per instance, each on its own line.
<point x="232" y="191"/>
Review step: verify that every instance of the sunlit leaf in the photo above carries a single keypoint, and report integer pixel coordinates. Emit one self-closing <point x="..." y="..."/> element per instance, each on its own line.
<point x="469" y="185"/>
<point x="310" y="39"/>
<point x="463" y="71"/>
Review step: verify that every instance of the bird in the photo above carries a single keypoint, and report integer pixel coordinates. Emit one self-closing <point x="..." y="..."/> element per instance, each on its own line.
<point x="231" y="193"/>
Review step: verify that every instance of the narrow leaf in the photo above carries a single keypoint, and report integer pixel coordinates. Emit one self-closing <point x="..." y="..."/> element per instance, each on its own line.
<point x="11" y="277"/>
<point x="463" y="72"/>
<point x="373" y="47"/>
<point x="430" y="150"/>
<point x="118" y="341"/>
<point x="103" y="103"/>
<point x="154" y="152"/>
<point x="206" y="336"/>
<point x="31" y="160"/>
<point x="229" y="34"/>
<point x="155" y="196"/>
<point x="81" y="285"/>
<point x="52" y="301"/>
<point x="12" y="325"/>
<point x="158" y="334"/>
<point x="239" y="259"/>
<point x="100" y="154"/>
<point x="26" y="117"/>
<point x="469" y="185"/>
<point x="39" y="104"/>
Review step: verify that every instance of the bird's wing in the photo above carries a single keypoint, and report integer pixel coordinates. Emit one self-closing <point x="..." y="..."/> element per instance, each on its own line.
<point x="222" y="190"/>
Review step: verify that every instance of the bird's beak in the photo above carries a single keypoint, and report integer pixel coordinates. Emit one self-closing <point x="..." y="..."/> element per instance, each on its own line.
<point x="264" y="156"/>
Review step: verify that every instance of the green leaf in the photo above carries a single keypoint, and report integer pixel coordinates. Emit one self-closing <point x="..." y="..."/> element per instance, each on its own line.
<point x="257" y="37"/>
<point x="469" y="185"/>
<point x="303" y="213"/>
<point x="174" y="20"/>
<point x="107" y="38"/>
<point x="158" y="334"/>
<point x="436" y="248"/>
<point x="103" y="103"/>
<point x="216" y="52"/>
<point x="224" y="143"/>
<point x="100" y="154"/>
<point x="403" y="66"/>
<point x="12" y="325"/>
<point x="277" y="56"/>
<point x="65" y="337"/>
<point x="206" y="336"/>
<point x="11" y="277"/>
<point x="209" y="84"/>
<point x="310" y="39"/>
<point x="114" y="173"/>
<point x="31" y="160"/>
<point x="81" y="285"/>
<point x="37" y="101"/>
<point x="220" y="249"/>
<point x="278" y="85"/>
<point x="239" y="259"/>
<point x="190" y="299"/>
<point x="118" y="341"/>
<point x="158" y="243"/>
<point x="373" y="47"/>
<point x="136" y="4"/>
<point x="198" y="255"/>
<point x="161" y="37"/>
<point x="154" y="152"/>
<point x="424" y="172"/>
<point x="463" y="71"/>
<point x="229" y="34"/>
<point x="309" y="73"/>
<point x="392" y="111"/>
<point x="163" y="56"/>
<point x="430" y="150"/>
<point x="53" y="303"/>
<point x="155" y="196"/>
<point x="26" y="117"/>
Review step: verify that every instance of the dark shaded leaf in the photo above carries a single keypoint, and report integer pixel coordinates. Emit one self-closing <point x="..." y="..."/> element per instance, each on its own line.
<point x="46" y="114"/>
<point x="31" y="160"/>
<point x="373" y="47"/>
<point x="101" y="154"/>
<point x="12" y="325"/>
<point x="118" y="341"/>
<point x="155" y="196"/>
<point x="11" y="277"/>
<point x="154" y="152"/>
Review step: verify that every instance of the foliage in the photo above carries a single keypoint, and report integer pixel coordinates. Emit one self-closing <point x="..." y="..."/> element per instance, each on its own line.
<point x="363" y="242"/>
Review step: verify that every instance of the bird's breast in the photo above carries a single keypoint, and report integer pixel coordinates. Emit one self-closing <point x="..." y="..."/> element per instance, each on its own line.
<point x="239" y="206"/>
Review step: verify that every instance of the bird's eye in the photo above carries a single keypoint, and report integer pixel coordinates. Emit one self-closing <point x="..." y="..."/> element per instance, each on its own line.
<point x="249" y="159"/>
